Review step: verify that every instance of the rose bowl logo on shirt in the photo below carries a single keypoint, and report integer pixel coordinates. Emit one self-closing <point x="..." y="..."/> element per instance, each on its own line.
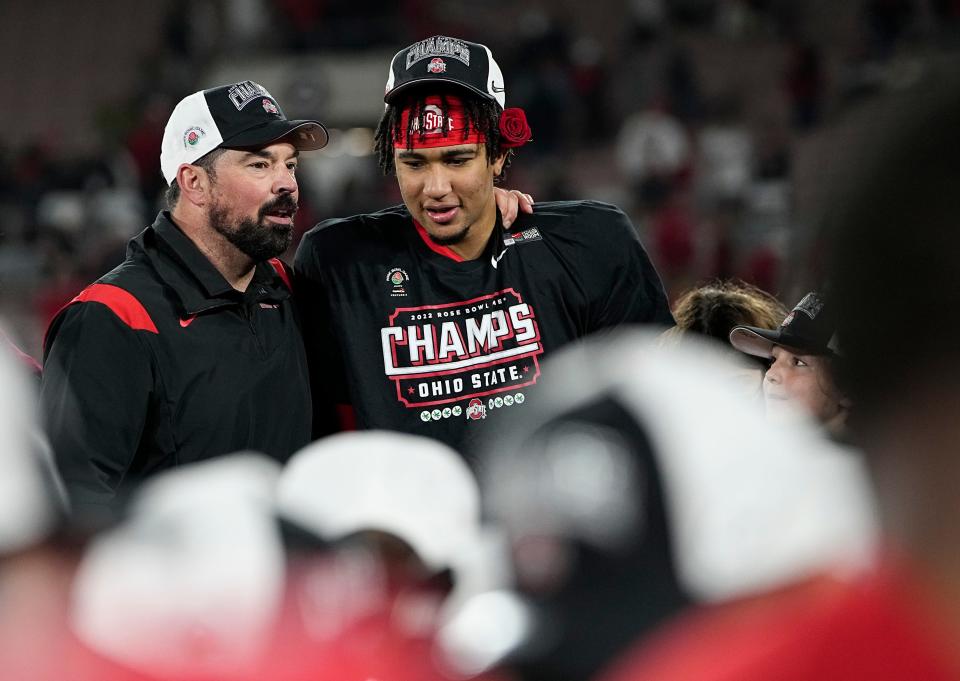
<point x="397" y="277"/>
<point x="436" y="65"/>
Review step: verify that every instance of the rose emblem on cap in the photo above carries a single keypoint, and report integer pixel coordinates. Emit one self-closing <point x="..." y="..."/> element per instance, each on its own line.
<point x="192" y="136"/>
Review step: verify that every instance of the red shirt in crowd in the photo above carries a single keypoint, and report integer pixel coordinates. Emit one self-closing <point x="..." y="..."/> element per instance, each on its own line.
<point x="871" y="629"/>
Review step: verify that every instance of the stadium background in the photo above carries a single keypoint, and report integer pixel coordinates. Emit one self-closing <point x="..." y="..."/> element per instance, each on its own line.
<point x="715" y="123"/>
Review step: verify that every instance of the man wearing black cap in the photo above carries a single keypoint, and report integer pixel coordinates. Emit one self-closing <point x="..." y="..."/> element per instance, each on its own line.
<point x="800" y="377"/>
<point x="439" y="315"/>
<point x="190" y="348"/>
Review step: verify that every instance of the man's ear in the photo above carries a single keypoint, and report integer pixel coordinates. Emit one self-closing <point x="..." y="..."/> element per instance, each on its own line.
<point x="194" y="184"/>
<point x="498" y="164"/>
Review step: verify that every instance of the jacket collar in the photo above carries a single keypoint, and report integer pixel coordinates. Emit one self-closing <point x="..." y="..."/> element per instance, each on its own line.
<point x="199" y="285"/>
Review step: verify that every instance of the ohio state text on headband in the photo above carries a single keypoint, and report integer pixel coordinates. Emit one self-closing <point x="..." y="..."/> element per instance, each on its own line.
<point x="437" y="132"/>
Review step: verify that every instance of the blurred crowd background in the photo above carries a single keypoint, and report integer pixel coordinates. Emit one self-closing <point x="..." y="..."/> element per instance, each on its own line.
<point x="711" y="122"/>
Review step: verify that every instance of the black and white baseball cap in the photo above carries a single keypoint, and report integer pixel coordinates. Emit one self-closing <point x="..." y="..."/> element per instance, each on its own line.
<point x="446" y="60"/>
<point x="239" y="115"/>
<point x="809" y="327"/>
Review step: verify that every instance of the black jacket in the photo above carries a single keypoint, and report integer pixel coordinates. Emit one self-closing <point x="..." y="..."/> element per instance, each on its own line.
<point x="161" y="362"/>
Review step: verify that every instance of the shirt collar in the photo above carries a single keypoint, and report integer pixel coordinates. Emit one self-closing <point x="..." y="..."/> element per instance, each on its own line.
<point x="492" y="251"/>
<point x="197" y="282"/>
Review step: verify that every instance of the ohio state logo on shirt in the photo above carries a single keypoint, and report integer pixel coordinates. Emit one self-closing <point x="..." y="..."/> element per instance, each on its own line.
<point x="437" y="354"/>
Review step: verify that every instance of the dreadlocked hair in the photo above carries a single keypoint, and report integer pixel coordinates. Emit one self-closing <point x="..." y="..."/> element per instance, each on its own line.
<point x="482" y="114"/>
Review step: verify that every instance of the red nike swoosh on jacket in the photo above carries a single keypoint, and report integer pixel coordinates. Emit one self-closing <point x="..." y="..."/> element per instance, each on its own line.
<point x="187" y="321"/>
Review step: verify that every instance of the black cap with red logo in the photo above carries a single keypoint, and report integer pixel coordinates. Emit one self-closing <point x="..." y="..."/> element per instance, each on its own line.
<point x="446" y="60"/>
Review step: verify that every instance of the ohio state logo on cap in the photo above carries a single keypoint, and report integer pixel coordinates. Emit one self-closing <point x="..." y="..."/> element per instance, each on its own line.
<point x="270" y="107"/>
<point x="437" y="65"/>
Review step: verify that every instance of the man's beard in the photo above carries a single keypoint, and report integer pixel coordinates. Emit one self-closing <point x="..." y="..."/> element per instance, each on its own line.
<point x="257" y="239"/>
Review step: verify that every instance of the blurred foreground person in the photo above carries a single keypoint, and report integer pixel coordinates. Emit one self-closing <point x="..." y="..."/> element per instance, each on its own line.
<point x="399" y="518"/>
<point x="901" y="620"/>
<point x="643" y="484"/>
<point x="205" y="581"/>
<point x="36" y="562"/>
<point x="803" y="351"/>
<point x="189" y="585"/>
<point x="25" y="360"/>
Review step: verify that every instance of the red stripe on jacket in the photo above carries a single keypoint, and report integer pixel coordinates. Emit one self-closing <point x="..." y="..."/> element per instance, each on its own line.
<point x="122" y="303"/>
<point x="281" y="270"/>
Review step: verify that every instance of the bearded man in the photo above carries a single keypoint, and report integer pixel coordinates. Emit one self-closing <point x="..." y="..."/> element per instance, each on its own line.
<point x="189" y="349"/>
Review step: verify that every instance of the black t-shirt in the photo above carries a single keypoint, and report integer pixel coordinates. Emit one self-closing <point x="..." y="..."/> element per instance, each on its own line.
<point x="420" y="341"/>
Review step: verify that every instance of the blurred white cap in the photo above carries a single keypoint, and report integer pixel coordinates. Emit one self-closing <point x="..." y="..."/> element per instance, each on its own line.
<point x="751" y="504"/>
<point x="414" y="488"/>
<point x="192" y="581"/>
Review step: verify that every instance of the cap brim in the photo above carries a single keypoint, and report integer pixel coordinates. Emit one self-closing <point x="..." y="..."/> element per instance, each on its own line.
<point x="760" y="342"/>
<point x="754" y="341"/>
<point x="303" y="135"/>
<point x="403" y="87"/>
